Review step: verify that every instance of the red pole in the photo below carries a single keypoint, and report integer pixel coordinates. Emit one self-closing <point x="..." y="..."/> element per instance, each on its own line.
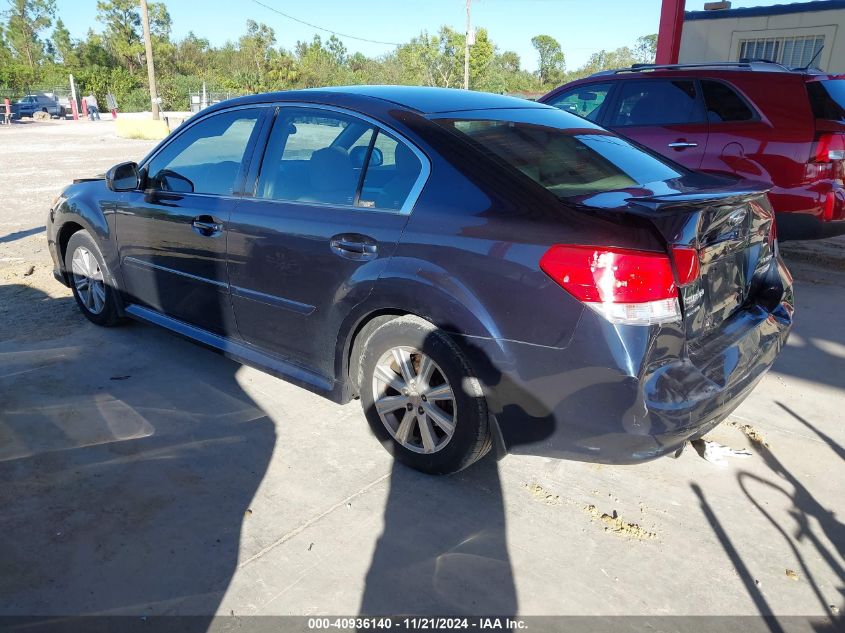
<point x="8" y="104"/>
<point x="84" y="107"/>
<point x="669" y="36"/>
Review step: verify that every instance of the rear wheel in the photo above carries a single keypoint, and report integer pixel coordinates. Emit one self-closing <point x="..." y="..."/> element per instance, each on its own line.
<point x="90" y="280"/>
<point x="421" y="399"/>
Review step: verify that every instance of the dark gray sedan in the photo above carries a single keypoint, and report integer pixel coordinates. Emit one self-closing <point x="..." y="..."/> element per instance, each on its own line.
<point x="30" y="104"/>
<point x="481" y="271"/>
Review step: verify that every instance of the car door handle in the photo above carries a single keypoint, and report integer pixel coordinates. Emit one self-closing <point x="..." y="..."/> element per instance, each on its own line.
<point x="682" y="145"/>
<point x="207" y="226"/>
<point x="357" y="247"/>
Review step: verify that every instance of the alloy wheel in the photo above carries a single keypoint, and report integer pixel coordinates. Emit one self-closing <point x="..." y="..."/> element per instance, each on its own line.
<point x="414" y="400"/>
<point x="88" y="280"/>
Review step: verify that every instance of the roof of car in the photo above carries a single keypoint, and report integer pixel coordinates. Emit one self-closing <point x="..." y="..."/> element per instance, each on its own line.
<point x="425" y="100"/>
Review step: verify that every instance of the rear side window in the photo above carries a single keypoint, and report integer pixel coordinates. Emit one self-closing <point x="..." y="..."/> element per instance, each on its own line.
<point x="565" y="160"/>
<point x="392" y="171"/>
<point x="724" y="104"/>
<point x="585" y="101"/>
<point x="306" y="159"/>
<point x="316" y="156"/>
<point x="657" y="102"/>
<point x="827" y="98"/>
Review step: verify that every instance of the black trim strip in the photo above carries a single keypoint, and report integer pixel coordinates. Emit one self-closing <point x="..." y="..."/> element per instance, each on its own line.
<point x="272" y="300"/>
<point x="150" y="266"/>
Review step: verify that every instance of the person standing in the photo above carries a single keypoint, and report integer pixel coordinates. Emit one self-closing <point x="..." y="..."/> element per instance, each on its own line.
<point x="93" y="109"/>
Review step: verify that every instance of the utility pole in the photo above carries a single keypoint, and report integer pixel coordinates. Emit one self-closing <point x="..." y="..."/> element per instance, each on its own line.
<point x="467" y="44"/>
<point x="148" y="46"/>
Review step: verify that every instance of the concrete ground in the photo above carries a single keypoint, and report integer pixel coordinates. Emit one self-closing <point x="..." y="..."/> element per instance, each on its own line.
<point x="144" y="475"/>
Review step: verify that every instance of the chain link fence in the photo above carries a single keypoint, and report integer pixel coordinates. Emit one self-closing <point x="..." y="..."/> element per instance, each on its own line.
<point x="203" y="99"/>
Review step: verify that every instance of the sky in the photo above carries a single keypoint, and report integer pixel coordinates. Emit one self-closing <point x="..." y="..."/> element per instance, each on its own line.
<point x="581" y="26"/>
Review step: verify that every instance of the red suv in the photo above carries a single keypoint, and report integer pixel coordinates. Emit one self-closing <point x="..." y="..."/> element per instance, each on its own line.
<point x="756" y="120"/>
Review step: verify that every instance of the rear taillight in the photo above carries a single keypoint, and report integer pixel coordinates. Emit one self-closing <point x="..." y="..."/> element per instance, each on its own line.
<point x="830" y="148"/>
<point x="686" y="263"/>
<point x="623" y="285"/>
<point x="828" y="158"/>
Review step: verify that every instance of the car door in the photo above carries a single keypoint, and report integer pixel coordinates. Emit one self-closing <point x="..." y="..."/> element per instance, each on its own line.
<point x="740" y="141"/>
<point x="172" y="234"/>
<point x="329" y="205"/>
<point x="665" y="115"/>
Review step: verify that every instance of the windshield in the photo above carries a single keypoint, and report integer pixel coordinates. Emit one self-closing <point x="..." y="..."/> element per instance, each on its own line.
<point x="566" y="155"/>
<point x="828" y="99"/>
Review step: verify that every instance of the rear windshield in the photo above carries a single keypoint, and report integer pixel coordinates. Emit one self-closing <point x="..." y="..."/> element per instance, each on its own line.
<point x="828" y="99"/>
<point x="564" y="154"/>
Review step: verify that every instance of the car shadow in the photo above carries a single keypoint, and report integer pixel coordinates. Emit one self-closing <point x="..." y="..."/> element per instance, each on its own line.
<point x="432" y="560"/>
<point x="126" y="473"/>
<point x="18" y="235"/>
<point x="443" y="550"/>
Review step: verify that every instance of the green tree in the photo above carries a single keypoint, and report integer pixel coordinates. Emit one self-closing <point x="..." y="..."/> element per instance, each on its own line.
<point x="63" y="45"/>
<point x="27" y="18"/>
<point x="645" y="50"/>
<point x="122" y="35"/>
<point x="552" y="63"/>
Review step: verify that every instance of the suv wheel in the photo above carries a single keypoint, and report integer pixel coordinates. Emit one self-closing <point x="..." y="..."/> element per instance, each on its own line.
<point x="90" y="280"/>
<point x="420" y="397"/>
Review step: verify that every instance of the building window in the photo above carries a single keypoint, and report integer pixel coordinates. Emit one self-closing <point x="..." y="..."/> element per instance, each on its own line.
<point x="793" y="52"/>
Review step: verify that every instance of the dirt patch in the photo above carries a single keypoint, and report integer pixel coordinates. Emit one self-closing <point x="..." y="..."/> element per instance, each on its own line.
<point x="541" y="494"/>
<point x="616" y="524"/>
<point x="751" y="433"/>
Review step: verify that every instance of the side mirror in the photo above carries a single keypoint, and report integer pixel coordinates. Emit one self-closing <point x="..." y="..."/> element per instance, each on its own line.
<point x="123" y="177"/>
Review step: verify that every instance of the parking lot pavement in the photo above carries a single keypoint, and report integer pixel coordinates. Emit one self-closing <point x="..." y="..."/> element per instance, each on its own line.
<point x="145" y="475"/>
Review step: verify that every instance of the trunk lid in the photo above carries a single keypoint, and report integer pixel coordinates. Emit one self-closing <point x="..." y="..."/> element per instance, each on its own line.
<point x="732" y="232"/>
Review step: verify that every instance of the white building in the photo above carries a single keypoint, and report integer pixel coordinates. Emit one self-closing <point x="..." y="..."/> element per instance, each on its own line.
<point x="790" y="34"/>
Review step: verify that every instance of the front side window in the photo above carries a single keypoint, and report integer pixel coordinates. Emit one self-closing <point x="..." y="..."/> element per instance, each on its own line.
<point x="565" y="159"/>
<point x="724" y="104"/>
<point x="207" y="157"/>
<point x="657" y="102"/>
<point x="585" y="101"/>
<point x="319" y="156"/>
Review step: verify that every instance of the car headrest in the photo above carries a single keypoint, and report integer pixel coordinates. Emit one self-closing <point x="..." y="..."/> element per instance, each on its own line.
<point x="405" y="159"/>
<point x="330" y="169"/>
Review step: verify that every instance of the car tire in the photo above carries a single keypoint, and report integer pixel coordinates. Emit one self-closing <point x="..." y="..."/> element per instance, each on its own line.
<point x="410" y="411"/>
<point x="62" y="113"/>
<point x="90" y="280"/>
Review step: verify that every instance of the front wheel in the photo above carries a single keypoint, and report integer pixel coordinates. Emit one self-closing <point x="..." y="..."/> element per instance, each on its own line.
<point x="421" y="399"/>
<point x="91" y="280"/>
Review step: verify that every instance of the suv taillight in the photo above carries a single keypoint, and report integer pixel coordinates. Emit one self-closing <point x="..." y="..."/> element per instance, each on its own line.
<point x="623" y="285"/>
<point x="828" y="157"/>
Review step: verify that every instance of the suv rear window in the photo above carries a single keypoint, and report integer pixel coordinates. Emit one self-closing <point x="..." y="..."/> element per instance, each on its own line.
<point x="827" y="99"/>
<point x="723" y="104"/>
<point x="559" y="151"/>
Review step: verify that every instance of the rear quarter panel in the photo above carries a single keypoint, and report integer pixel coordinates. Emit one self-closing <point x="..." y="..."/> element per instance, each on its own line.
<point x="774" y="148"/>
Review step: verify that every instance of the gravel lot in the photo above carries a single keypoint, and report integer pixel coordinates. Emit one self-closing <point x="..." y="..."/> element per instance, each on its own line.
<point x="144" y="475"/>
